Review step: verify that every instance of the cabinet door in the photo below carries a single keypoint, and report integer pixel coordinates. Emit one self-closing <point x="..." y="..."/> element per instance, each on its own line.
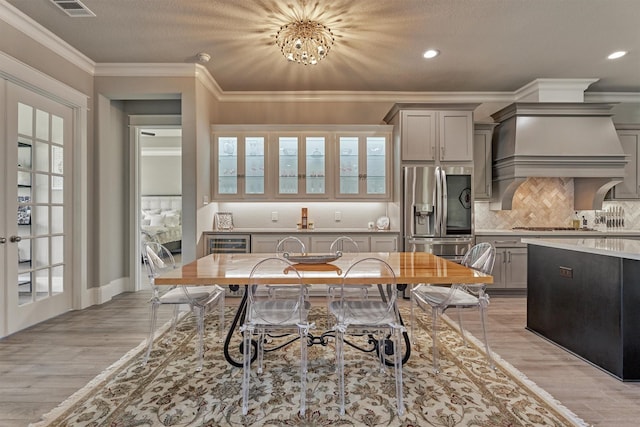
<point x="499" y="269"/>
<point x="322" y="243"/>
<point x="315" y="165"/>
<point x="288" y="166"/>
<point x="240" y="166"/>
<point x="629" y="188"/>
<point x="255" y="165"/>
<point x="226" y="182"/>
<point x="364" y="167"/>
<point x="455" y="136"/>
<point x="516" y="277"/>
<point x="418" y="135"/>
<point x="482" y="164"/>
<point x="267" y="243"/>
<point x="381" y="243"/>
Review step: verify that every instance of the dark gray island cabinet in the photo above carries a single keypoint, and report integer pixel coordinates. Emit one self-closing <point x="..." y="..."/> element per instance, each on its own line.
<point x="584" y="295"/>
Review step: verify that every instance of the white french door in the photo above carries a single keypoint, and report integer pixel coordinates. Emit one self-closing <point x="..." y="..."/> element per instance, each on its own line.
<point x="35" y="213"/>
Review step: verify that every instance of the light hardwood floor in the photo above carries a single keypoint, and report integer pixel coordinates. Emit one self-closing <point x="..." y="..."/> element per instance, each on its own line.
<point x="43" y="365"/>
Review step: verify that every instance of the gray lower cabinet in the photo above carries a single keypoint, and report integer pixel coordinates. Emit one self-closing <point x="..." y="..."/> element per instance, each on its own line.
<point x="321" y="242"/>
<point x="267" y="243"/>
<point x="510" y="268"/>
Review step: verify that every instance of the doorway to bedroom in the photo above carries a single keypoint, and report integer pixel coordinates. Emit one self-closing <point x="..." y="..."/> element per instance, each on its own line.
<point x="160" y="190"/>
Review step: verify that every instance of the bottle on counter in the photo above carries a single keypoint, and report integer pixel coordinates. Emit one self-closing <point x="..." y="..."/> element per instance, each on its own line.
<point x="575" y="222"/>
<point x="304" y="222"/>
<point x="584" y="223"/>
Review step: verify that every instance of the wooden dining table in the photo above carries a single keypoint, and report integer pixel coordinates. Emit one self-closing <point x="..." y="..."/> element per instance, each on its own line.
<point x="410" y="268"/>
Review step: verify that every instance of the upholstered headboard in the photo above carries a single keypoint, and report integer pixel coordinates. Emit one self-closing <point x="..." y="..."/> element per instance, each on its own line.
<point x="164" y="203"/>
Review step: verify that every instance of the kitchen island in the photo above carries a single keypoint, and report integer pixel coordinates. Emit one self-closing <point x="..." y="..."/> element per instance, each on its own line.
<point x="584" y="295"/>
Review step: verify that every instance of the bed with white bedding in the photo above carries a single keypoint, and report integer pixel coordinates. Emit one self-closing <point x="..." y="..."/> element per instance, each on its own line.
<point x="161" y="221"/>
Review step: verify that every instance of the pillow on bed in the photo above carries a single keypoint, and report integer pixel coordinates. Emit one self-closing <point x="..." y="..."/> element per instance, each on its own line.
<point x="171" y="220"/>
<point x="156" y="220"/>
<point x="146" y="214"/>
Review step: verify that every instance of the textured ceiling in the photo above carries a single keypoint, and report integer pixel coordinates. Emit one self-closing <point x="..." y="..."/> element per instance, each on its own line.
<point x="486" y="45"/>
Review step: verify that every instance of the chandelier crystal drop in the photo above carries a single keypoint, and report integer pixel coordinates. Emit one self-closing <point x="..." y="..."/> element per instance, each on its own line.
<point x="305" y="42"/>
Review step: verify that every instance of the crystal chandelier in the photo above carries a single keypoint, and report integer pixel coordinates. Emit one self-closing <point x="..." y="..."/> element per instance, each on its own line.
<point x="304" y="41"/>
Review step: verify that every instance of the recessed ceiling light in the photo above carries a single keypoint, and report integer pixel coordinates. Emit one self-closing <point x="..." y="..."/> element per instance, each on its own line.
<point x="618" y="54"/>
<point x="431" y="53"/>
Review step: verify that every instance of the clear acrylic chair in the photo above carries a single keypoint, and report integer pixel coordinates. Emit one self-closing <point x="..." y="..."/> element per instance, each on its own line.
<point x="437" y="299"/>
<point x="345" y="244"/>
<point x="282" y="312"/>
<point x="290" y="244"/>
<point x="377" y="315"/>
<point x="158" y="260"/>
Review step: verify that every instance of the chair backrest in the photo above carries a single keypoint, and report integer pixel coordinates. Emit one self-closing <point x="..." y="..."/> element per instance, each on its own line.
<point x="375" y="307"/>
<point x="279" y="307"/>
<point x="344" y="244"/>
<point x="287" y="243"/>
<point x="157" y="259"/>
<point x="480" y="257"/>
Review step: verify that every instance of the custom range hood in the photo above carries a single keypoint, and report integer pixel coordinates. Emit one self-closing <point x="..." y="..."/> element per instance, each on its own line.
<point x="556" y="139"/>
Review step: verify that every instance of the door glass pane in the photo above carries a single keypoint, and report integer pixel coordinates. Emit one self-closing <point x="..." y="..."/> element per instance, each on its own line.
<point x="376" y="162"/>
<point x="57" y="192"/>
<point x="288" y="165"/>
<point x="349" y="171"/>
<point x="25" y="119"/>
<point x="42" y="125"/>
<point x="57" y="219"/>
<point x="228" y="165"/>
<point x="42" y="157"/>
<point x="42" y="283"/>
<point x="40" y="252"/>
<point x="57" y="250"/>
<point x="41" y="190"/>
<point x="57" y="277"/>
<point x="254" y="165"/>
<point x="40" y="220"/>
<point x="25" y="154"/>
<point x="315" y="165"/>
<point x="57" y="130"/>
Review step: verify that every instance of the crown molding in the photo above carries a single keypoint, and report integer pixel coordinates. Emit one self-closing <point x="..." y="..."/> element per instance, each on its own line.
<point x="40" y="34"/>
<point x="144" y="69"/>
<point x="554" y="90"/>
<point x="626" y="97"/>
<point x="369" y="96"/>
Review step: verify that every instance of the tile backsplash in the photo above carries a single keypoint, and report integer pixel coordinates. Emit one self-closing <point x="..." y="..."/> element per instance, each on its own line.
<point x="544" y="202"/>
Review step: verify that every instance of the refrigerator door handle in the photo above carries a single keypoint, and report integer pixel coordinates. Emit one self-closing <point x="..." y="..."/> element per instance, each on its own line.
<point x="438" y="202"/>
<point x="410" y="191"/>
<point x="444" y="195"/>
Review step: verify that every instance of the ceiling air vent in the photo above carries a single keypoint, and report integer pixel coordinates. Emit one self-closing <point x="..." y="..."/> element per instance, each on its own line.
<point x="73" y="8"/>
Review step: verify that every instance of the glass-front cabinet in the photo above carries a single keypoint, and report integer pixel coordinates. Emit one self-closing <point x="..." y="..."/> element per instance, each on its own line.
<point x="239" y="166"/>
<point x="364" y="166"/>
<point x="302" y="165"/>
<point x="318" y="162"/>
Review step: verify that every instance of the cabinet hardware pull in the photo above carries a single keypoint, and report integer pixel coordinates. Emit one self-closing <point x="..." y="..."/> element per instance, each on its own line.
<point x="3" y="240"/>
<point x="505" y="241"/>
<point x="15" y="238"/>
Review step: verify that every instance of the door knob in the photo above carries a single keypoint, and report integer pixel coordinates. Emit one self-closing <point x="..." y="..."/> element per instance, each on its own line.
<point x="15" y="238"/>
<point x="3" y="240"/>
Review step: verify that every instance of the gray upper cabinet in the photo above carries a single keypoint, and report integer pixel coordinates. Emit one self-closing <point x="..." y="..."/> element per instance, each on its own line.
<point x="630" y="187"/>
<point x="482" y="160"/>
<point x="433" y="135"/>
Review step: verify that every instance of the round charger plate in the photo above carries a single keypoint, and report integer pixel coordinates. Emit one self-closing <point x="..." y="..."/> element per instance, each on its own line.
<point x="312" y="258"/>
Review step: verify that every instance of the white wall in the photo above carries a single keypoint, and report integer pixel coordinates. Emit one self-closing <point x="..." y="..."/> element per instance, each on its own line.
<point x="160" y="175"/>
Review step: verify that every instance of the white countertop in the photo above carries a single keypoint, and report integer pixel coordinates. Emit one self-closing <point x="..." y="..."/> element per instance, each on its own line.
<point x="615" y="247"/>
<point x="294" y="230"/>
<point x="584" y="233"/>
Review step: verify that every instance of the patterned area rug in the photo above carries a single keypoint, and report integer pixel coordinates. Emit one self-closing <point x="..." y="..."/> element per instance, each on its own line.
<point x="167" y="391"/>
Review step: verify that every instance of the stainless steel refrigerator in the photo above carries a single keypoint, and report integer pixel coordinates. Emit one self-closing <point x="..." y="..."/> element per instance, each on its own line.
<point x="438" y="210"/>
